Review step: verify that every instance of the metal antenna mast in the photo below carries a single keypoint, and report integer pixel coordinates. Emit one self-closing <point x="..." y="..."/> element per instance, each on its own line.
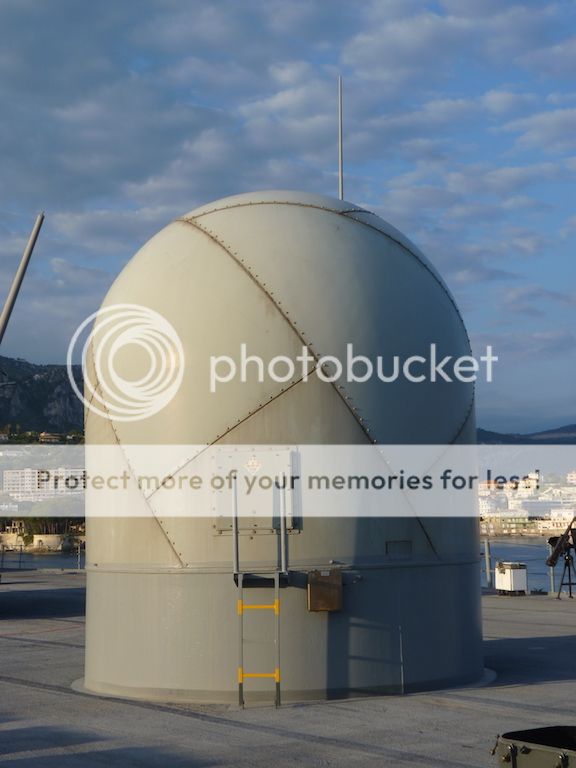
<point x="340" y="149"/>
<point x="17" y="282"/>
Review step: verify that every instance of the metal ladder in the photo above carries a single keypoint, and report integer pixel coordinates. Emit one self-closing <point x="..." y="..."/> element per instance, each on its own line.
<point x="242" y="608"/>
<point x="258" y="580"/>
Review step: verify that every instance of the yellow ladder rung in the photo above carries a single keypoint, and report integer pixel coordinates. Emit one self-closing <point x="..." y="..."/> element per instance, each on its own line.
<point x="259" y="674"/>
<point x="243" y="675"/>
<point x="275" y="606"/>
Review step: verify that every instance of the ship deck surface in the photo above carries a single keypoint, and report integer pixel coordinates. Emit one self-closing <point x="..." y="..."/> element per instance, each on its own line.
<point x="530" y="643"/>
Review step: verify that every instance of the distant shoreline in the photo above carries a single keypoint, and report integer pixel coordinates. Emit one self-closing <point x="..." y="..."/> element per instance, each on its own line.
<point x="514" y="535"/>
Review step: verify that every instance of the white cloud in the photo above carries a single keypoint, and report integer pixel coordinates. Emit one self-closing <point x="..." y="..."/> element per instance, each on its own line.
<point x="472" y="211"/>
<point x="569" y="228"/>
<point x="472" y="8"/>
<point x="556" y="60"/>
<point x="420" y="46"/>
<point x="552" y="130"/>
<point x="105" y="232"/>
<point x="514" y="346"/>
<point x="529" y="299"/>
<point x="403" y="49"/>
<point x="196" y="74"/>
<point x="302" y="100"/>
<point x="480" y="274"/>
<point x="506" y="180"/>
<point x="291" y="72"/>
<point x="504" y="102"/>
<point x="519" y="203"/>
<point x="418" y="198"/>
<point x="561" y="98"/>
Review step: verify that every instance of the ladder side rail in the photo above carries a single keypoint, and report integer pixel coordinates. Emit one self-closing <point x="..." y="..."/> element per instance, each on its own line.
<point x="240" y="609"/>
<point x="277" y="700"/>
<point x="283" y="552"/>
<point x="235" y="532"/>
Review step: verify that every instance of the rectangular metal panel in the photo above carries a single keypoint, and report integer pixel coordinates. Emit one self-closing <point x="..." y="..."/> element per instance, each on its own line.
<point x="325" y="590"/>
<point x="263" y="475"/>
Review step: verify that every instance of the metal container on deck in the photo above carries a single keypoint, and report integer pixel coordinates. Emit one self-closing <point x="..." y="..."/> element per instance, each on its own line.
<point x="511" y="578"/>
<point x="553" y="747"/>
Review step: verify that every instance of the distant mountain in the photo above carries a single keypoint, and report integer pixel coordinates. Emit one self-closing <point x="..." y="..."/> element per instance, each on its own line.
<point x="558" y="436"/>
<point x="39" y="397"/>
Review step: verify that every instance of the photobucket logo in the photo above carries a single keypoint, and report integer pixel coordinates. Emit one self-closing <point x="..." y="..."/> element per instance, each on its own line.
<point x="355" y="368"/>
<point x="137" y="362"/>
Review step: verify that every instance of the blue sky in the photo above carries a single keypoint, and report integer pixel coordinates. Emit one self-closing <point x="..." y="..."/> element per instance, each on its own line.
<point x="460" y="124"/>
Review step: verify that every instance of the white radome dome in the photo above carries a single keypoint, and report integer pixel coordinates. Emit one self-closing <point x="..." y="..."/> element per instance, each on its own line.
<point x="274" y="271"/>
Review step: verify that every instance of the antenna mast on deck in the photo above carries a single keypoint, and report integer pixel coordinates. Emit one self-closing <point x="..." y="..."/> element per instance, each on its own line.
<point x="340" y="148"/>
<point x="17" y="282"/>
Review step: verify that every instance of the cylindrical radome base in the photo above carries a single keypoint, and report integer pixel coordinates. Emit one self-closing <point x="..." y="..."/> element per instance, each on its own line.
<point x="178" y="635"/>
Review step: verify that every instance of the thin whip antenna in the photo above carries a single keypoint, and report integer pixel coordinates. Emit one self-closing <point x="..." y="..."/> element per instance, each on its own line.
<point x="340" y="143"/>
<point x="13" y="294"/>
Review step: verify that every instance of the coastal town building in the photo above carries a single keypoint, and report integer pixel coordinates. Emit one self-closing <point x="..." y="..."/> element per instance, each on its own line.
<point x="38" y="484"/>
<point x="50" y="438"/>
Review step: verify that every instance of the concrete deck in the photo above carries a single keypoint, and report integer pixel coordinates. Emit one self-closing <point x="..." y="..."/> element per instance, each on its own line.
<point x="530" y="643"/>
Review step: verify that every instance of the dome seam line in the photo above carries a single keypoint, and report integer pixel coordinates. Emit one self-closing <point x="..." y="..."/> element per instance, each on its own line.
<point x="345" y="214"/>
<point x="422" y="263"/>
<point x="300" y="334"/>
<point x="345" y="399"/>
<point x="132" y="473"/>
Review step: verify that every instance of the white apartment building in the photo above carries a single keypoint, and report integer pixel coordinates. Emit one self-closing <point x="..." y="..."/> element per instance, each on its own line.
<point x="37" y="484"/>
